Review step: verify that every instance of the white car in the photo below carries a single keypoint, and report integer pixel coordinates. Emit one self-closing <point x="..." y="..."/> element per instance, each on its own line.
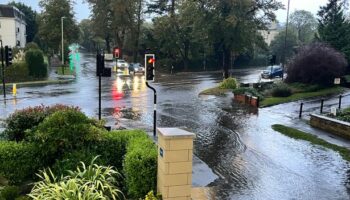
<point x="122" y="64"/>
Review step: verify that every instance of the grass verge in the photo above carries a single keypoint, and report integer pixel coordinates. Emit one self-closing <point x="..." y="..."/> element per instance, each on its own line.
<point x="215" y="91"/>
<point x="300" y="135"/>
<point x="66" y="70"/>
<point x="270" y="101"/>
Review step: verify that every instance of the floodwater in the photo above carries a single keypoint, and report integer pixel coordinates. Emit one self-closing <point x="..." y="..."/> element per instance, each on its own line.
<point x="251" y="160"/>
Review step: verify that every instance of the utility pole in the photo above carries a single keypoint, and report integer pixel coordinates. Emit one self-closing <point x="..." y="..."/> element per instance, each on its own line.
<point x="3" y="69"/>
<point x="62" y="45"/>
<point x="285" y="42"/>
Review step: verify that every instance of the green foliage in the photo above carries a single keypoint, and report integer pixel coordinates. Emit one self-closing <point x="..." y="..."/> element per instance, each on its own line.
<point x="333" y="28"/>
<point x="19" y="161"/>
<point x="151" y="196"/>
<point x="23" y="198"/>
<point x="9" y="192"/>
<point x="65" y="131"/>
<point x="36" y="65"/>
<point x="281" y="90"/>
<point x="303" y="24"/>
<point x="22" y="120"/>
<point x="140" y="167"/>
<point x="86" y="182"/>
<point x="278" y="47"/>
<point x="344" y="115"/>
<point x="31" y="45"/>
<point x="17" y="72"/>
<point x="316" y="63"/>
<point x="229" y="83"/>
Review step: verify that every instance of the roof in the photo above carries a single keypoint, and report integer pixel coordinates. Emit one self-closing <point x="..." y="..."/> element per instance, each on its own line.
<point x="11" y="12"/>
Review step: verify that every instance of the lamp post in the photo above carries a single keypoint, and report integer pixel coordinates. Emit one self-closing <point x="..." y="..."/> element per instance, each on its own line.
<point x="285" y="42"/>
<point x="62" y="52"/>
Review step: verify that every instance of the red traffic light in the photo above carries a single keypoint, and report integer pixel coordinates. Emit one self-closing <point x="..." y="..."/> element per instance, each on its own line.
<point x="151" y="60"/>
<point x="116" y="52"/>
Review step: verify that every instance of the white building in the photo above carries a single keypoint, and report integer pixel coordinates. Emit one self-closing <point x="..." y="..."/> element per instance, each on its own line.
<point x="12" y="26"/>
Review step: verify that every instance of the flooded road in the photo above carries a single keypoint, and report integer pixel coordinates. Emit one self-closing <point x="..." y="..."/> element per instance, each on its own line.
<point x="251" y="160"/>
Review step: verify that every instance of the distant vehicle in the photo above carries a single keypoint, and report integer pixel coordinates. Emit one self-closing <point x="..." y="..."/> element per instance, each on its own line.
<point x="122" y="64"/>
<point x="272" y="72"/>
<point x="108" y="57"/>
<point x="136" y="68"/>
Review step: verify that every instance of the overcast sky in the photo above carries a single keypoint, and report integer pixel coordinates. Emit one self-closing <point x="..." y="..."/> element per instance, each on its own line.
<point x="82" y="9"/>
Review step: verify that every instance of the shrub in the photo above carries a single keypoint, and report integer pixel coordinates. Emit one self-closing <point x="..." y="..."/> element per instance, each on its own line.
<point x="91" y="182"/>
<point x="36" y="64"/>
<point x="28" y="118"/>
<point x="17" y="72"/>
<point x="31" y="45"/>
<point x="65" y="130"/>
<point x="316" y="64"/>
<point x="19" y="161"/>
<point x="250" y="91"/>
<point x="229" y="83"/>
<point x="151" y="196"/>
<point x="9" y="193"/>
<point x="281" y="90"/>
<point x="140" y="167"/>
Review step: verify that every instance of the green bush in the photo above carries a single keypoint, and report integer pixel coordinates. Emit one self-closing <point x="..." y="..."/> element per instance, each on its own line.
<point x="36" y="64"/>
<point x="140" y="167"/>
<point x="31" y="45"/>
<point x="23" y="198"/>
<point x="9" y="193"/>
<point x="229" y="83"/>
<point x="65" y="131"/>
<point x="22" y="120"/>
<point x="86" y="182"/>
<point x="19" y="161"/>
<point x="17" y="72"/>
<point x="281" y="90"/>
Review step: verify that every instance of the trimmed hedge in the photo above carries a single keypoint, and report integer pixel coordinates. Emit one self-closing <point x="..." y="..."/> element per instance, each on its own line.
<point x="36" y="64"/>
<point x="19" y="161"/>
<point x="140" y="167"/>
<point x="229" y="83"/>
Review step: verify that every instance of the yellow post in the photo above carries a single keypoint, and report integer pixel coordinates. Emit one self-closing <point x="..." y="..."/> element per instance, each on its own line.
<point x="14" y="90"/>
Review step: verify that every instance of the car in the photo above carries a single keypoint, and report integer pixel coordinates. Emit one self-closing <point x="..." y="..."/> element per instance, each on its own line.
<point x="136" y="68"/>
<point x="272" y="72"/>
<point x="122" y="64"/>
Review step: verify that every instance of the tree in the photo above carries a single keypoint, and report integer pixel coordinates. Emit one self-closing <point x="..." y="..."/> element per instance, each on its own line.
<point x="86" y="35"/>
<point x="277" y="46"/>
<point x="316" y="64"/>
<point x="304" y="24"/>
<point x="30" y="18"/>
<point x="50" y="23"/>
<point x="333" y="29"/>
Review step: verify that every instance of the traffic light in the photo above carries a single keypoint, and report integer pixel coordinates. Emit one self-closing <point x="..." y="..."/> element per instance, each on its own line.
<point x="100" y="64"/>
<point x="116" y="52"/>
<point x="8" y="56"/>
<point x="150" y="64"/>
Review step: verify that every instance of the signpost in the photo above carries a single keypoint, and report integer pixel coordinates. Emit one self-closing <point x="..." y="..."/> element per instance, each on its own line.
<point x="150" y="74"/>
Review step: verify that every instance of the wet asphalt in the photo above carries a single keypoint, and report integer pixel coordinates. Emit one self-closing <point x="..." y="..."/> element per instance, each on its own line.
<point x="249" y="159"/>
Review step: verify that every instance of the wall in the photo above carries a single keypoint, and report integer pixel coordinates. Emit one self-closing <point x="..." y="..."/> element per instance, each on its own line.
<point x="331" y="125"/>
<point x="7" y="31"/>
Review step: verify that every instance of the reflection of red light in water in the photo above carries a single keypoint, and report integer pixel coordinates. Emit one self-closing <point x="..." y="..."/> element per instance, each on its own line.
<point x="117" y="95"/>
<point x="117" y="112"/>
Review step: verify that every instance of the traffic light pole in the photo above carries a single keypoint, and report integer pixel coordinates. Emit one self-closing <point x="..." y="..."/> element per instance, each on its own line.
<point x="154" y="109"/>
<point x="3" y="69"/>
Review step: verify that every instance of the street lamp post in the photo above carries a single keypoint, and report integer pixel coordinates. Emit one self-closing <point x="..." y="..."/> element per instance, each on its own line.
<point x="62" y="52"/>
<point x="285" y="42"/>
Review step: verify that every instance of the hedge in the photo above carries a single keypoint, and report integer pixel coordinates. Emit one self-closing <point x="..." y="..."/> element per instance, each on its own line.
<point x="19" y="161"/>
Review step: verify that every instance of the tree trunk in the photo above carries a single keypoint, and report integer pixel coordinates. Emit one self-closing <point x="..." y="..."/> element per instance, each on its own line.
<point x="137" y="37"/>
<point x="108" y="45"/>
<point x="187" y="49"/>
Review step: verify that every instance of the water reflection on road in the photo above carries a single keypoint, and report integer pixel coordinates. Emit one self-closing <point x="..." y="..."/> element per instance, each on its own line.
<point x="252" y="161"/>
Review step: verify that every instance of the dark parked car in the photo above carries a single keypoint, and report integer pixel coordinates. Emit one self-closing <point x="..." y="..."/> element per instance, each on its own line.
<point x="136" y="68"/>
<point x="272" y="72"/>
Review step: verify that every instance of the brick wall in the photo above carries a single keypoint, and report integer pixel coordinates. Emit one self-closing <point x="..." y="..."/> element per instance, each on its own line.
<point x="331" y="125"/>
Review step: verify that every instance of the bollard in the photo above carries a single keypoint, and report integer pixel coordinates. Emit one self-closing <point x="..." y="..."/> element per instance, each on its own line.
<point x="14" y="90"/>
<point x="257" y="102"/>
<point x="321" y="109"/>
<point x="301" y="110"/>
<point x="340" y="101"/>
<point x="175" y="151"/>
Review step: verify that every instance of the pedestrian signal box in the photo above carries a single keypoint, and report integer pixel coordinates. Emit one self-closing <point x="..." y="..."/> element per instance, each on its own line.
<point x="150" y="61"/>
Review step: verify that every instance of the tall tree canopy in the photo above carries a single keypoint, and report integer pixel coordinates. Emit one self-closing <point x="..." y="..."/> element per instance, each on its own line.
<point x="333" y="28"/>
<point x="304" y="24"/>
<point x="30" y="17"/>
<point x="50" y="23"/>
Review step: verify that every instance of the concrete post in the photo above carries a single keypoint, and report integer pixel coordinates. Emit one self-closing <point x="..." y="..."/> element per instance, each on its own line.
<point x="175" y="151"/>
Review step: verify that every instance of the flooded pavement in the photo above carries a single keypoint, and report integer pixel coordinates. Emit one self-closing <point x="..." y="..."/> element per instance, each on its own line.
<point x="250" y="160"/>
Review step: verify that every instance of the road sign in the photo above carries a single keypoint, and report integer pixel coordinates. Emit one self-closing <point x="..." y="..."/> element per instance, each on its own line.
<point x="337" y="81"/>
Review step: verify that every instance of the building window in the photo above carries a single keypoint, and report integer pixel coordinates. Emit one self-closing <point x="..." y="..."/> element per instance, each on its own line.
<point x="18" y="43"/>
<point x="17" y="30"/>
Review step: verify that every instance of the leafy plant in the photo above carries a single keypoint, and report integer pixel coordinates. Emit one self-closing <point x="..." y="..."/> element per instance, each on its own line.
<point x="229" y="83"/>
<point x="281" y="90"/>
<point x="35" y="60"/>
<point x="150" y="196"/>
<point x="86" y="182"/>
<point x="22" y="120"/>
<point x="9" y="193"/>
<point x="250" y="91"/>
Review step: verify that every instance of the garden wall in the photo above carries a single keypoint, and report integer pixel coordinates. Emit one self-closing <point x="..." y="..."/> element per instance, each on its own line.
<point x="247" y="99"/>
<point x="331" y="125"/>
